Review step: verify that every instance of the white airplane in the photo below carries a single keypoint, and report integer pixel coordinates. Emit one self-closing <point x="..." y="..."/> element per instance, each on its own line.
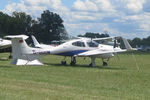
<point x="38" y="45"/>
<point x="4" y="43"/>
<point x="84" y="47"/>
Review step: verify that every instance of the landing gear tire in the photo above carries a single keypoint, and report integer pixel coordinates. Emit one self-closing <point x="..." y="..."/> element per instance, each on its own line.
<point x="105" y="64"/>
<point x="72" y="63"/>
<point x="10" y="56"/>
<point x="90" y="64"/>
<point x="63" y="62"/>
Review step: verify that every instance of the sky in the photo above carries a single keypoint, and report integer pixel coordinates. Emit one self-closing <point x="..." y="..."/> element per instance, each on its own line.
<point x="126" y="18"/>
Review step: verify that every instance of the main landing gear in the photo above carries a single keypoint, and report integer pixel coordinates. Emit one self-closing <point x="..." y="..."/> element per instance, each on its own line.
<point x="73" y="61"/>
<point x="104" y="62"/>
<point x="92" y="64"/>
<point x="63" y="62"/>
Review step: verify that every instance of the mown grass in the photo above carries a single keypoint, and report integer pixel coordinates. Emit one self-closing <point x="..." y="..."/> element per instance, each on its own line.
<point x="124" y="79"/>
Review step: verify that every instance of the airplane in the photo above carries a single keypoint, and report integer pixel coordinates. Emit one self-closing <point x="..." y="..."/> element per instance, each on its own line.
<point x="4" y="43"/>
<point x="38" y="45"/>
<point x="84" y="47"/>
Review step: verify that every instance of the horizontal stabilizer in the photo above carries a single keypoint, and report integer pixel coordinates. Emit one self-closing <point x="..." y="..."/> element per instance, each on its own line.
<point x="17" y="36"/>
<point x="26" y="62"/>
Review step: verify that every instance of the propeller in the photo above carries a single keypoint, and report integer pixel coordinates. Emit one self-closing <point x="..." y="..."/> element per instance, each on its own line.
<point x="115" y="42"/>
<point x="116" y="45"/>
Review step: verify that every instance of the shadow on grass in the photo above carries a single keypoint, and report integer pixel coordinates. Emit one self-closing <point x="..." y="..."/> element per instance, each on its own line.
<point x="5" y="66"/>
<point x="86" y="66"/>
<point x="4" y="59"/>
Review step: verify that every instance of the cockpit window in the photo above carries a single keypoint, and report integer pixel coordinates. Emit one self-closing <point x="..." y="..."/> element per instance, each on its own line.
<point x="92" y="44"/>
<point x="79" y="44"/>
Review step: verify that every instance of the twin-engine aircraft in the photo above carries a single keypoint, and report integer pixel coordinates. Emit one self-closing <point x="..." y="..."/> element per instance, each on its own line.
<point x="84" y="47"/>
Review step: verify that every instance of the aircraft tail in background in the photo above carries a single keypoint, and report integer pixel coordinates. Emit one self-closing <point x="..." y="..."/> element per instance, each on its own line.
<point x="36" y="43"/>
<point x="127" y="45"/>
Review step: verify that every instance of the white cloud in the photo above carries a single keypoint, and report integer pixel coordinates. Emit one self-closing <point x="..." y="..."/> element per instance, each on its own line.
<point x="37" y="2"/>
<point x="85" y="6"/>
<point x="145" y="27"/>
<point x="79" y="5"/>
<point x="105" y="5"/>
<point x="25" y="6"/>
<point x="118" y="17"/>
<point x="135" y="6"/>
<point x="93" y="5"/>
<point x="35" y="7"/>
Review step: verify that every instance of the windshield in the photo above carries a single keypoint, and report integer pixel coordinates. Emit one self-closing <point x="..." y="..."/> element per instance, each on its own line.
<point x="79" y="44"/>
<point x="92" y="44"/>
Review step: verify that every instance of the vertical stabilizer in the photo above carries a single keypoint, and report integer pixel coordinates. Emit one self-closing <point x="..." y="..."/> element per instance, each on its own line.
<point x="36" y="43"/>
<point x="127" y="45"/>
<point x="22" y="53"/>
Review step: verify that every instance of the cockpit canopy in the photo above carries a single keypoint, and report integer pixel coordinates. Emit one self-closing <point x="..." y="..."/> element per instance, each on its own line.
<point x="85" y="44"/>
<point x="92" y="44"/>
<point x="79" y="44"/>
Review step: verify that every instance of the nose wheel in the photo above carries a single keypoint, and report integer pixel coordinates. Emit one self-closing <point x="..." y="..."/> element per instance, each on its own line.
<point x="63" y="62"/>
<point x="73" y="61"/>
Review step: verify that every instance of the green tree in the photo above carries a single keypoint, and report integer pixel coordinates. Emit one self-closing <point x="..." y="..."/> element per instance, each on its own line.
<point x="48" y="27"/>
<point x="4" y="23"/>
<point x="22" y="23"/>
<point x="136" y="42"/>
<point x="94" y="35"/>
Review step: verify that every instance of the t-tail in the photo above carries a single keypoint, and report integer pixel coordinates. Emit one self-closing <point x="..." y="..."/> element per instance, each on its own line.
<point x="22" y="53"/>
<point x="36" y="43"/>
<point x="127" y="45"/>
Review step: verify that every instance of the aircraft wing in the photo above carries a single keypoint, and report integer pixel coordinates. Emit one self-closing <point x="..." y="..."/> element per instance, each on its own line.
<point x="17" y="36"/>
<point x="100" y="52"/>
<point x="106" y="38"/>
<point x="5" y="44"/>
<point x="94" y="52"/>
<point x="95" y="39"/>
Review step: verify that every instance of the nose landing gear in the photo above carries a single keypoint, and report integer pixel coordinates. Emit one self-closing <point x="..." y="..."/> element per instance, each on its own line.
<point x="73" y="61"/>
<point x="63" y="62"/>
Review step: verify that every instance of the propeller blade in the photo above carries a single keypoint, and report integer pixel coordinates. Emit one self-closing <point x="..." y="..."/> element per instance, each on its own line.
<point x="115" y="42"/>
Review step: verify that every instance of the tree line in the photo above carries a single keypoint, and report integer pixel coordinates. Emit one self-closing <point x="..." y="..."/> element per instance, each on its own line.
<point x="140" y="42"/>
<point x="94" y="35"/>
<point x="46" y="28"/>
<point x="49" y="26"/>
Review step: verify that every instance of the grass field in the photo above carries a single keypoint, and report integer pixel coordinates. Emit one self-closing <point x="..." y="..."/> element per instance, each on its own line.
<point x="126" y="79"/>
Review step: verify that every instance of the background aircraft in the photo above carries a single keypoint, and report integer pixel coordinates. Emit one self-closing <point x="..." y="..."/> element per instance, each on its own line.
<point x="38" y="45"/>
<point x="4" y="43"/>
